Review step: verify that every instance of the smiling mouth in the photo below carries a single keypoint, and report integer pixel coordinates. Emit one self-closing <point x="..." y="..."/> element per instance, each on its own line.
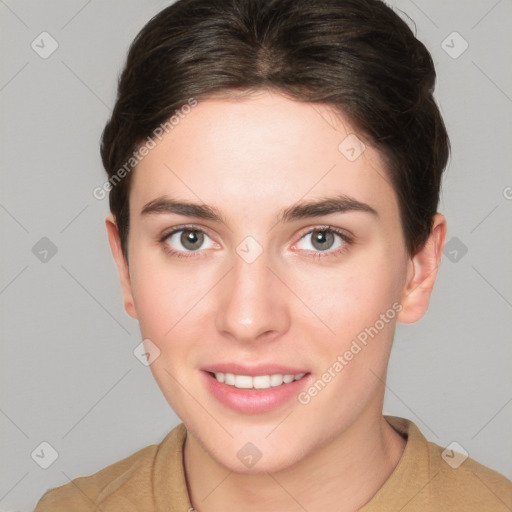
<point x="257" y="381"/>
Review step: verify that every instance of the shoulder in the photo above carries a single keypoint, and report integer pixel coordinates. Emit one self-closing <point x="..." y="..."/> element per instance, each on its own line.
<point x="430" y="477"/>
<point x="84" y="493"/>
<point x="124" y="485"/>
<point x="464" y="482"/>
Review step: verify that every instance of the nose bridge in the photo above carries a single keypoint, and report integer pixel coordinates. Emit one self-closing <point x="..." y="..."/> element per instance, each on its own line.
<point x="251" y="302"/>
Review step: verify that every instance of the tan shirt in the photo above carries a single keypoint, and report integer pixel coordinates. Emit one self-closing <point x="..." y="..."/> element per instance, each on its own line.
<point x="153" y="480"/>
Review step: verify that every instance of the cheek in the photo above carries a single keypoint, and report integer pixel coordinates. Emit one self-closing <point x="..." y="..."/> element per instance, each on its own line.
<point x="348" y="298"/>
<point x="164" y="298"/>
<point x="171" y="303"/>
<point x="359" y="304"/>
<point x="164" y="293"/>
<point x="155" y="305"/>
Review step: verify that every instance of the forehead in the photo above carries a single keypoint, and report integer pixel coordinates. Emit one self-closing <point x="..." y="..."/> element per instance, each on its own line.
<point x="260" y="153"/>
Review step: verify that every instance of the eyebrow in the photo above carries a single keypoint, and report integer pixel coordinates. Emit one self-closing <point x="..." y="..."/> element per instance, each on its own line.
<point x="340" y="203"/>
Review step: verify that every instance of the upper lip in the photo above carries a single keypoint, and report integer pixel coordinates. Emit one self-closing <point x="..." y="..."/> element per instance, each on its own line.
<point x="252" y="371"/>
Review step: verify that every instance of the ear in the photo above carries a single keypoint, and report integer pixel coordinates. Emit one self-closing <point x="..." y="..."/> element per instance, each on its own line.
<point x="422" y="274"/>
<point x="122" y="266"/>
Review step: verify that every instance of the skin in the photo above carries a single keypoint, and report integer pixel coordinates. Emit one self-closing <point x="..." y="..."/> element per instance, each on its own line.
<point x="250" y="158"/>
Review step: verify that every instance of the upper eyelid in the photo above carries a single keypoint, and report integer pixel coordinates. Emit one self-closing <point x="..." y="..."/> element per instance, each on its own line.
<point x="176" y="229"/>
<point x="325" y="227"/>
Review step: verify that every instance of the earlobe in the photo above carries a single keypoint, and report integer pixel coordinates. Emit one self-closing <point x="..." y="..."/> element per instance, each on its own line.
<point x="422" y="274"/>
<point x="122" y="266"/>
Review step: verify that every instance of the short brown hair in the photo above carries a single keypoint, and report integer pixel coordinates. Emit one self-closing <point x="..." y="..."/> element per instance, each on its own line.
<point x="357" y="56"/>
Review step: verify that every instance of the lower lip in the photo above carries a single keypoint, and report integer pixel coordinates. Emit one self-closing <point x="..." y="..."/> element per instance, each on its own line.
<point x="253" y="401"/>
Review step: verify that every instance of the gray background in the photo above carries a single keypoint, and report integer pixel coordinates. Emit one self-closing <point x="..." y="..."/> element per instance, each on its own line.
<point x="69" y="376"/>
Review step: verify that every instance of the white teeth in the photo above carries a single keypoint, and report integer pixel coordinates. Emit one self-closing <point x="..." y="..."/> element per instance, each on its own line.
<point x="243" y="381"/>
<point x="276" y="379"/>
<point x="261" y="381"/>
<point x="257" y="382"/>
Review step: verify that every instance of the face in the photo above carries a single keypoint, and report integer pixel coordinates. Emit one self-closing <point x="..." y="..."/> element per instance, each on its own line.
<point x="258" y="285"/>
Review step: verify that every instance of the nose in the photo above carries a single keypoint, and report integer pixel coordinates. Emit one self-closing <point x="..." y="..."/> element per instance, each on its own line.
<point x="253" y="303"/>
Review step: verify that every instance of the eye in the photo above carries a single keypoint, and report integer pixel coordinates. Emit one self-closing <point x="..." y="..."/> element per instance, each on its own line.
<point x="187" y="237"/>
<point x="323" y="240"/>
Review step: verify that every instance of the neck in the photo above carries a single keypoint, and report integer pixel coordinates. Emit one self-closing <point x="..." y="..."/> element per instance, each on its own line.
<point x="342" y="475"/>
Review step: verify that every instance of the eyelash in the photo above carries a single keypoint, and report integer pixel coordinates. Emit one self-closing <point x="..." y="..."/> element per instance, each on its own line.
<point x="317" y="254"/>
